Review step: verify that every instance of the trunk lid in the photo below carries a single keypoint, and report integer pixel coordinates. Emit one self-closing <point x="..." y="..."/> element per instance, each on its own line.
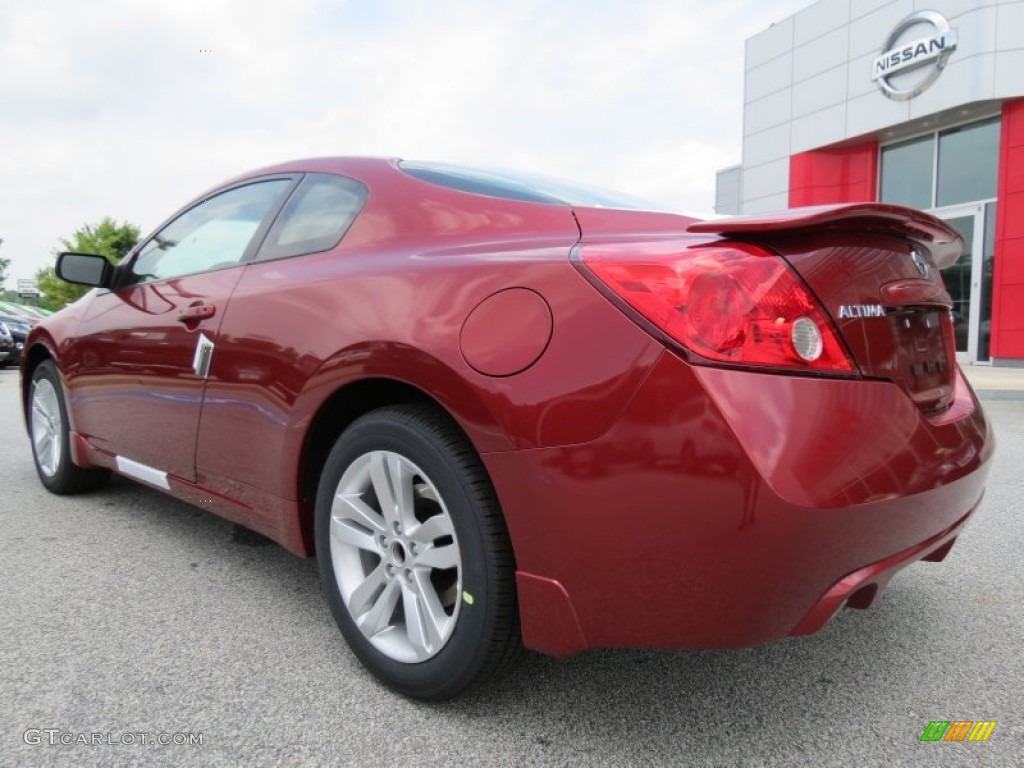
<point x="875" y="270"/>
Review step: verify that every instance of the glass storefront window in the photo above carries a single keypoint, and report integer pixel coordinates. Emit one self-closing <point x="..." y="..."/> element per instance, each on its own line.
<point x="954" y="173"/>
<point x="987" y="267"/>
<point x="958" y="282"/>
<point x="966" y="159"/>
<point x="968" y="163"/>
<point x="907" y="172"/>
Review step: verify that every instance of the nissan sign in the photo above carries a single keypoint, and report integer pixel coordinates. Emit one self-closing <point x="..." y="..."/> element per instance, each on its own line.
<point x="899" y="57"/>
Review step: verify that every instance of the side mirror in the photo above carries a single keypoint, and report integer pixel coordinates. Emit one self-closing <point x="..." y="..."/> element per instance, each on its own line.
<point x="84" y="269"/>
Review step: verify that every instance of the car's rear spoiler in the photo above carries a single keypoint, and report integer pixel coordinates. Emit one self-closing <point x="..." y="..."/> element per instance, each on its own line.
<point x="943" y="242"/>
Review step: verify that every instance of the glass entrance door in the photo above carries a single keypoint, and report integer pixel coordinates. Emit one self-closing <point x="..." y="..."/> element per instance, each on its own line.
<point x="964" y="282"/>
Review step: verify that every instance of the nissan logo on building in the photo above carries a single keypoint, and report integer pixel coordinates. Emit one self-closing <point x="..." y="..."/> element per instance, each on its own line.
<point x="900" y="59"/>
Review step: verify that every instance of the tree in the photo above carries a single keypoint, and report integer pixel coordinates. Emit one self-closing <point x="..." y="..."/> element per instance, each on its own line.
<point x="106" y="238"/>
<point x="4" y="264"/>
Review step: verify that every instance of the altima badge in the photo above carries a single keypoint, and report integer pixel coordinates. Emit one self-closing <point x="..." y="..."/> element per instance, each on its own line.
<point x="861" y="310"/>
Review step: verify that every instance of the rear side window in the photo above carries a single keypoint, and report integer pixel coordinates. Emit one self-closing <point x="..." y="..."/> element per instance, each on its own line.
<point x="525" y="187"/>
<point x="478" y="182"/>
<point x="315" y="218"/>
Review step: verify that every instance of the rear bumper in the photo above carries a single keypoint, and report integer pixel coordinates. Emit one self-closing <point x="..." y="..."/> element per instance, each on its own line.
<point x="729" y="508"/>
<point x="860" y="588"/>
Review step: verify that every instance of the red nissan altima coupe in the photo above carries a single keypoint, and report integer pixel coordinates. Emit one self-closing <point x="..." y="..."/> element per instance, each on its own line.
<point x="506" y="411"/>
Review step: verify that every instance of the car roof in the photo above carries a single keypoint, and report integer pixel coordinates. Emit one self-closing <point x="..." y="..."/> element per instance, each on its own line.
<point x="511" y="184"/>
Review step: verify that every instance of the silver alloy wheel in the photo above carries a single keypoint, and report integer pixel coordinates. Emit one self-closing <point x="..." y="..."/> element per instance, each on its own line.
<point x="47" y="426"/>
<point x="396" y="556"/>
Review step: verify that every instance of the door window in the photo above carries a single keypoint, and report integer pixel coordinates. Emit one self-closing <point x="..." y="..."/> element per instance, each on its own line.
<point x="211" y="235"/>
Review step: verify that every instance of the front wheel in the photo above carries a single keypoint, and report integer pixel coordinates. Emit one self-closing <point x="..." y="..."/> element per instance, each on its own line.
<point x="414" y="554"/>
<point x="50" y="434"/>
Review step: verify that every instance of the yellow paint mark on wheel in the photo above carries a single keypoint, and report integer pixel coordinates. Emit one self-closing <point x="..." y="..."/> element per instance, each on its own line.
<point x="467" y="598"/>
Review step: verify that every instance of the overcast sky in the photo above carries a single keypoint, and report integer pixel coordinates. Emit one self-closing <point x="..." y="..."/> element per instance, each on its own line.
<point x="112" y="108"/>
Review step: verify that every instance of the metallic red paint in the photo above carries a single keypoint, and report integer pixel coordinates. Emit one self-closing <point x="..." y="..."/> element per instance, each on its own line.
<point x="907" y="344"/>
<point x="130" y="368"/>
<point x="738" y="515"/>
<point x="747" y="504"/>
<point x="507" y="332"/>
<point x="943" y="242"/>
<point x="861" y="588"/>
<point x="549" y="621"/>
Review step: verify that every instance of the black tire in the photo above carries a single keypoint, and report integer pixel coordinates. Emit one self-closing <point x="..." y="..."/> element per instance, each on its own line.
<point x="485" y="640"/>
<point x="66" y="477"/>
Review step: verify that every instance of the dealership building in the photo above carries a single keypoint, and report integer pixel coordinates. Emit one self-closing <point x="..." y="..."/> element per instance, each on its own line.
<point x="900" y="101"/>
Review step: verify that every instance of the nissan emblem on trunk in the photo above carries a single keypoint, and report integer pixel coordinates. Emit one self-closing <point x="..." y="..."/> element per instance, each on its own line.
<point x="920" y="262"/>
<point x="900" y="57"/>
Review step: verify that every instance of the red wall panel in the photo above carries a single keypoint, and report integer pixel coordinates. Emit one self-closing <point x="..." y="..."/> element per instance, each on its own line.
<point x="1008" y="278"/>
<point x="842" y="175"/>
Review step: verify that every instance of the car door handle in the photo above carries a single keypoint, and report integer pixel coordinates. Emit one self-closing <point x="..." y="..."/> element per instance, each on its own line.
<point x="196" y="312"/>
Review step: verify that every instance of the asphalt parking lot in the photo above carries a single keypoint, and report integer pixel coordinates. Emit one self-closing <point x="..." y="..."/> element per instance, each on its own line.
<point x="125" y="613"/>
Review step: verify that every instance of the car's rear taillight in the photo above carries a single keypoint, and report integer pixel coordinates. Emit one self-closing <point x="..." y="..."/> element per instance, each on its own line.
<point x="732" y="302"/>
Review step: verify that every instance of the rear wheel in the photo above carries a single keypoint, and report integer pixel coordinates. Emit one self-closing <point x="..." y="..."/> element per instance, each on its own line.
<point x="414" y="554"/>
<point x="49" y="431"/>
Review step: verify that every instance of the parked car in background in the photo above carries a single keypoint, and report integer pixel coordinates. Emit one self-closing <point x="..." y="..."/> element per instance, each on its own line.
<point x="6" y="344"/>
<point x="505" y="410"/>
<point x="32" y="313"/>
<point x="18" y="328"/>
